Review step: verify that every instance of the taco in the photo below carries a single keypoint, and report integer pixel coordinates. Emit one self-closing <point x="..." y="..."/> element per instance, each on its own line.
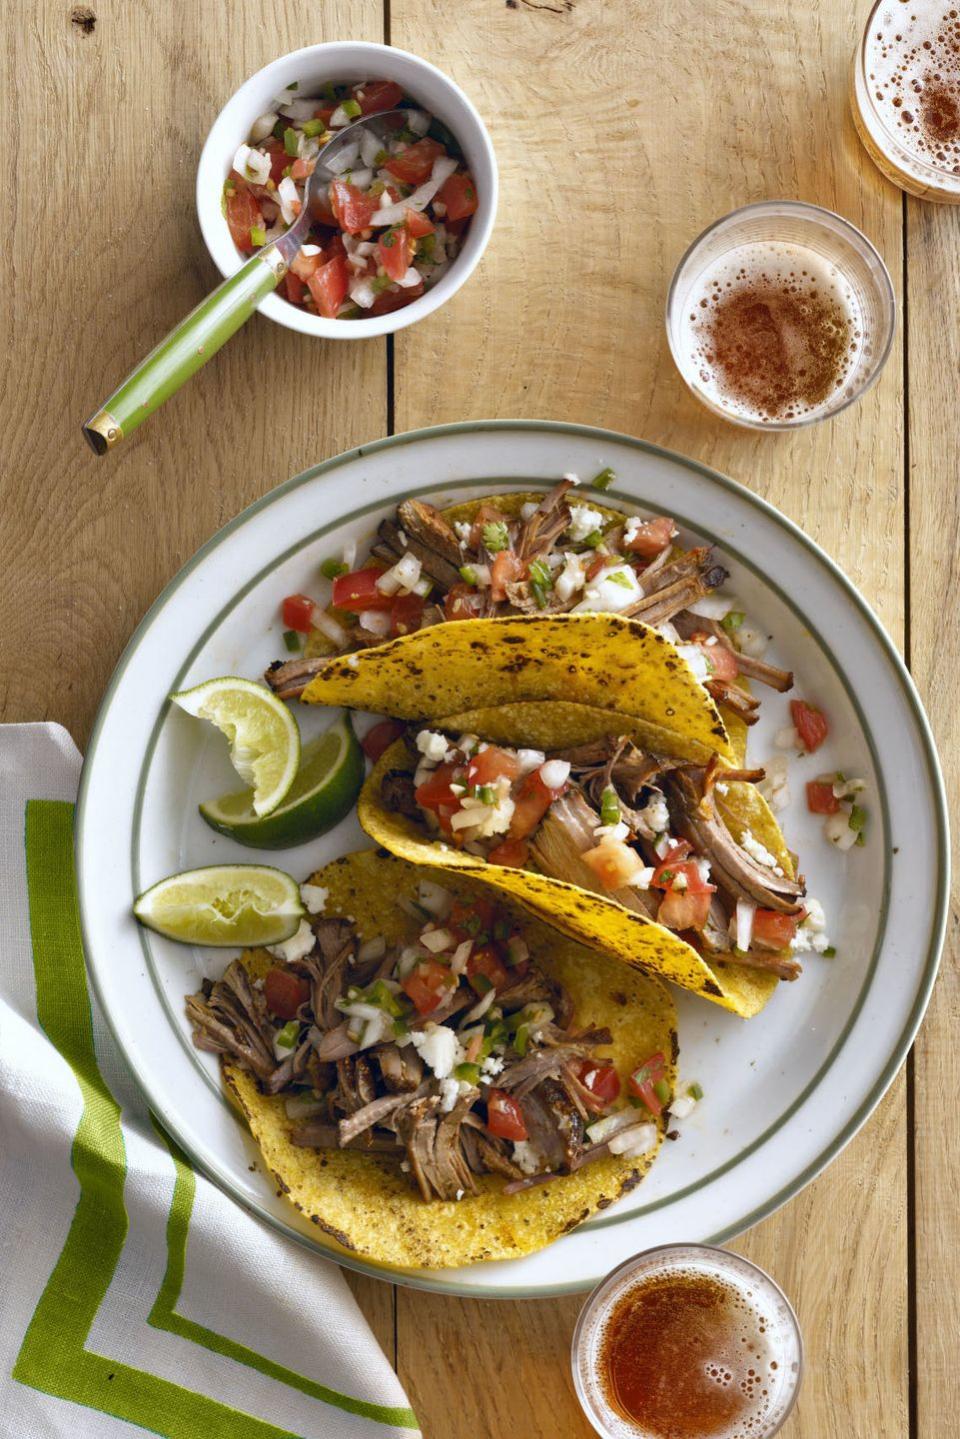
<point x="545" y="554"/>
<point x="494" y="668"/>
<point x="434" y="1077"/>
<point x="677" y="867"/>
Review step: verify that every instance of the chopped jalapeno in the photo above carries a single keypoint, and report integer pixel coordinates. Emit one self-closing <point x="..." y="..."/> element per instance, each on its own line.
<point x="609" y="806"/>
<point x="732" y="620"/>
<point x="662" y="1090"/>
<point x="292" y="641"/>
<point x="291" y="142"/>
<point x="332" y="569"/>
<point x="594" y="539"/>
<point x="287" y="1037"/>
<point x="312" y="128"/>
<point x="695" y="1091"/>
<point x="468" y="1073"/>
<point x="468" y="574"/>
<point x="351" y="108"/>
<point x="605" y="479"/>
<point x="258" y="235"/>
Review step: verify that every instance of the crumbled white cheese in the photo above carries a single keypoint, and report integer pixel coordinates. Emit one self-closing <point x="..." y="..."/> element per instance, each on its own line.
<point x="583" y="522"/>
<point x="816" y="919"/>
<point x="527" y="1157"/>
<point x="492" y="1065"/>
<point x="449" y="1094"/>
<point x="774" y="786"/>
<point x="432" y="746"/>
<point x="462" y="529"/>
<point x="614" y="588"/>
<point x="569" y="475"/>
<point x="298" y="946"/>
<point x="438" y="1047"/>
<point x="460" y="1193"/>
<point x="314" y="897"/>
<point x="759" y="852"/>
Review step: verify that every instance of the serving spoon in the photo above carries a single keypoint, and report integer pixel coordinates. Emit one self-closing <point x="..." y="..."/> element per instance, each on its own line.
<point x="221" y="314"/>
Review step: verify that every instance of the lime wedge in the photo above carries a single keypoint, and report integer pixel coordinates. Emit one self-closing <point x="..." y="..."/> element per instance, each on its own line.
<point x="324" y="790"/>
<point x="236" y="905"/>
<point x="263" y="735"/>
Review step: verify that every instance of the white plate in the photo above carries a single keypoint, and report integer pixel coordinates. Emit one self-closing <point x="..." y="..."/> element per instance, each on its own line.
<point x="784" y="1091"/>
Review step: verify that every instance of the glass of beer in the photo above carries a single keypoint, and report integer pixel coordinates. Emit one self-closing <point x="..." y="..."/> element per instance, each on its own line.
<point x="780" y="314"/>
<point x="689" y="1342"/>
<point x="905" y="95"/>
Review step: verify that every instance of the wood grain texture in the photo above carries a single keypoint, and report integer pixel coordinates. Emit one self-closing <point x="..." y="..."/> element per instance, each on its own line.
<point x="622" y="130"/>
<point x="933" y="249"/>
<point x="676" y="114"/>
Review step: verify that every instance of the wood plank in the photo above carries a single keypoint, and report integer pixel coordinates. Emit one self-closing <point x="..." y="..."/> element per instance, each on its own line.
<point x="933" y="248"/>
<point x="676" y="114"/>
<point x="87" y="544"/>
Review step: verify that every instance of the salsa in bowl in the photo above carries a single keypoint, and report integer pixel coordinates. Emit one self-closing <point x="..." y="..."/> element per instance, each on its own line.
<point x="404" y="220"/>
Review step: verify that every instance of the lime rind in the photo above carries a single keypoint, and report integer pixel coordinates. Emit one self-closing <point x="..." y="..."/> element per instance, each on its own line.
<point x="324" y="791"/>
<point x="261" y="731"/>
<point x="226" y="905"/>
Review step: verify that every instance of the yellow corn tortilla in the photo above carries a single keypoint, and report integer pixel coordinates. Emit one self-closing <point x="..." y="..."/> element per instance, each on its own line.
<point x="602" y="661"/>
<point x="593" y="919"/>
<point x="363" y="1203"/>
<point x="559" y="724"/>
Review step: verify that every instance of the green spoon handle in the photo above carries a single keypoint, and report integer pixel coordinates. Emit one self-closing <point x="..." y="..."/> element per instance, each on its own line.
<point x="185" y="349"/>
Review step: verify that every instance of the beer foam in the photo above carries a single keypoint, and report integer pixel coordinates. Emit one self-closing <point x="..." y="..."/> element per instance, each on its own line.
<point x="772" y="331"/>
<point x="912" y="73"/>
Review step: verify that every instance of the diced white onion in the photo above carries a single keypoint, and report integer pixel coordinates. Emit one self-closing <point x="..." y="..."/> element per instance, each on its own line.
<point x="298" y="109"/>
<point x="289" y="198"/>
<point x="838" y="832"/>
<point x="434" y="898"/>
<point x="370" y="146"/>
<point x="745" y="914"/>
<point x="696" y="659"/>
<point x="458" y="964"/>
<point x="252" y="164"/>
<point x="634" y="1141"/>
<point x="847" y="788"/>
<point x="359" y="1010"/>
<point x="601" y="1129"/>
<point x="328" y="626"/>
<point x="362" y="293"/>
<point x="349" y="549"/>
<point x="361" y="178"/>
<point x="712" y="607"/>
<point x="401" y="576"/>
<point x="263" y="126"/>
<point x="376" y="622"/>
<point x="481" y="1008"/>
<point x="339" y="118"/>
<point x="530" y="759"/>
<point x="751" y="640"/>
<point x="787" y="738"/>
<point x="372" y="949"/>
<point x="344" y="158"/>
<point x="443" y="168"/>
<point x="418" y="121"/>
<point x="555" y="773"/>
<point x="436" y="940"/>
<point x="682" y="1107"/>
<point x="309" y="250"/>
<point x="411" y="278"/>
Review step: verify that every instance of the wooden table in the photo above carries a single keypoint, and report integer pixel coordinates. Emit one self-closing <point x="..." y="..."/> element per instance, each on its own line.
<point x="622" y="129"/>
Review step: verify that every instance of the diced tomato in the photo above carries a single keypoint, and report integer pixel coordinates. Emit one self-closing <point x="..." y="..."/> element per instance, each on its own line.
<point x="435" y="791"/>
<point x="417" y="225"/>
<point x="456" y="227"/>
<point x="406" y="612"/>
<point x="395" y="300"/>
<point x="595" y="566"/>
<point x="601" y="1080"/>
<point x="297" y="612"/>
<point x="504" y="1116"/>
<point x="512" y="854"/>
<point x="505" y="569"/>
<point x="294" y="288"/>
<point x="721" y="660"/>
<point x="353" y="209"/>
<point x="683" y="877"/>
<point x="279" y="159"/>
<point x="414" y="165"/>
<point x="652" y="537"/>
<point x="776" y="930"/>
<point x="300" y="169"/>
<point x="491" y="764"/>
<point x="487" y="514"/>
<point x="426" y="985"/>
<point x="395" y="251"/>
<point x="811" y="724"/>
<point x="285" y="992"/>
<point x="461" y="603"/>
<point x="358" y="591"/>
<point x="530" y="804"/>
<point x="459" y="194"/>
<point x="674" y="855"/>
<point x="380" y="738"/>
<point x="484" y="968"/>
<point x="376" y="95"/>
<point x="643" y="1079"/>
<point x="303" y="266"/>
<point x="243" y="213"/>
<point x="470" y="921"/>
<point x="329" y="285"/>
<point x="821" y="798"/>
<point x="684" y="909"/>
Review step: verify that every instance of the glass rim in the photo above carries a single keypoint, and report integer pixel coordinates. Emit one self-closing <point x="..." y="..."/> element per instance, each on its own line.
<point x="612" y="1279"/>
<point x="809" y="211"/>
<point x="936" y="176"/>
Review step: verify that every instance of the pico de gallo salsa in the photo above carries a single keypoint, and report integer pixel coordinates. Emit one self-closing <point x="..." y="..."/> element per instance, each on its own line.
<point x="393" y="218"/>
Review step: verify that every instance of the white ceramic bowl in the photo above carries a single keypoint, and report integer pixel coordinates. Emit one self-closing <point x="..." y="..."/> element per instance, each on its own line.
<point x="312" y="67"/>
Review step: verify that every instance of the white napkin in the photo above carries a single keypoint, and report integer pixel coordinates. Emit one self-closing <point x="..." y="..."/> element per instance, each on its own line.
<point x="135" y="1297"/>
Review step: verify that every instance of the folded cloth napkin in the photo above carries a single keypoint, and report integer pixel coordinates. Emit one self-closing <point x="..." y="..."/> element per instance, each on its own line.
<point x="134" y="1295"/>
